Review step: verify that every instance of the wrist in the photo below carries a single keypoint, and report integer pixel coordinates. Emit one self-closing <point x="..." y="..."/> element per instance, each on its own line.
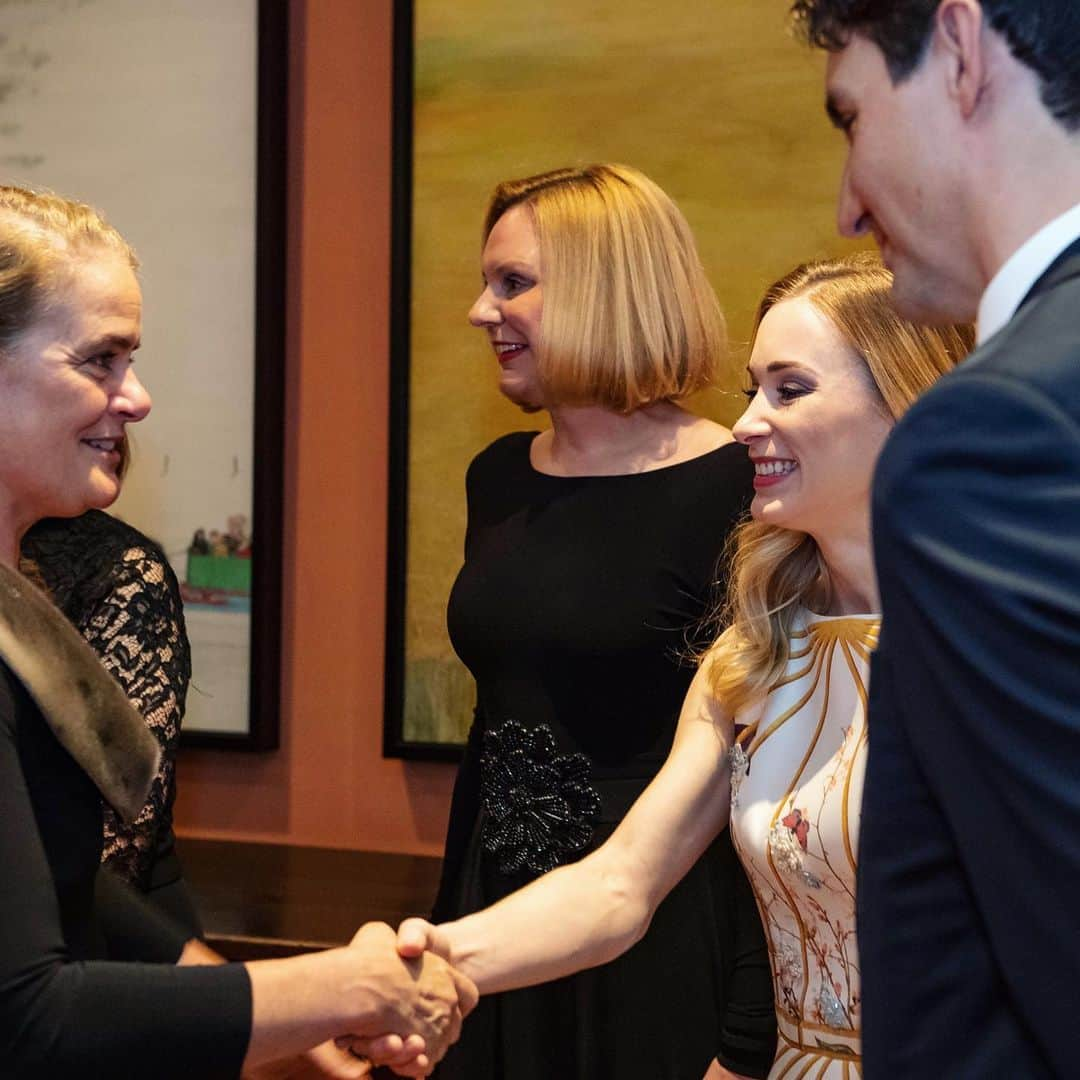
<point x="462" y="949"/>
<point x="358" y="996"/>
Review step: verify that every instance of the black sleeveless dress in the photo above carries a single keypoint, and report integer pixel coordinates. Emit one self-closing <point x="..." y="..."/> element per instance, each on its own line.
<point x="575" y="612"/>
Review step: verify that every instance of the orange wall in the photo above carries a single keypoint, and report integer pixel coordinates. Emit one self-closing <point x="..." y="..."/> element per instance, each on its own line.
<point x="328" y="784"/>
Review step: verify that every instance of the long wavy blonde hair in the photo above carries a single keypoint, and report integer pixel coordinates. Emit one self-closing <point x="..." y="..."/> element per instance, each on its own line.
<point x="775" y="572"/>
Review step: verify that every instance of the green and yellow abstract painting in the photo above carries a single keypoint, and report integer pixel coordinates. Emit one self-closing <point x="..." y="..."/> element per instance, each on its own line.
<point x="713" y="99"/>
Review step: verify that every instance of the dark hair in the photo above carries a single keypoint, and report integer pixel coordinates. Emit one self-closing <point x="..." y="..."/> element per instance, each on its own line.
<point x="1043" y="34"/>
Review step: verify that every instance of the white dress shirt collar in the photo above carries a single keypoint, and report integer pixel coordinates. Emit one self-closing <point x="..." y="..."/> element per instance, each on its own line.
<point x="1022" y="269"/>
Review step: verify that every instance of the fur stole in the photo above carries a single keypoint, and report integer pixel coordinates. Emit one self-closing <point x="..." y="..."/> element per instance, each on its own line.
<point x="84" y="706"/>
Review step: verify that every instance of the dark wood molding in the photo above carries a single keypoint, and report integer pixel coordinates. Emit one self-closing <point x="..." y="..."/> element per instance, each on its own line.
<point x="265" y="900"/>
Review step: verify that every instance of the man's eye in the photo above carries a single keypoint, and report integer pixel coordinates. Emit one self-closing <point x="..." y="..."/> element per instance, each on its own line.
<point x="750" y="393"/>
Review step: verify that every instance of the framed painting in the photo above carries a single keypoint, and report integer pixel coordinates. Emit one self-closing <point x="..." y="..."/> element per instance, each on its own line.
<point x="716" y="102"/>
<point x="172" y="120"/>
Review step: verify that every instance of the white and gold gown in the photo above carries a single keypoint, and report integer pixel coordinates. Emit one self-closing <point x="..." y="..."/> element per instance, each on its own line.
<point x="797" y="777"/>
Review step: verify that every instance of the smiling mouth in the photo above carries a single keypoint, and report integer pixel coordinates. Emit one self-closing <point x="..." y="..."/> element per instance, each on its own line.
<point x="507" y="350"/>
<point x="105" y="445"/>
<point x="775" y="467"/>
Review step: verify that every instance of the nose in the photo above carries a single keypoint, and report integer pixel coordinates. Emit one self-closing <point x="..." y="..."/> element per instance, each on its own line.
<point x="132" y="400"/>
<point x="852" y="218"/>
<point x="485" y="312"/>
<point x="753" y="423"/>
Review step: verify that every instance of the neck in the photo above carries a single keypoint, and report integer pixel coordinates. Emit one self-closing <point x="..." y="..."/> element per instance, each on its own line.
<point x="849" y="558"/>
<point x="1012" y="233"/>
<point x="1024" y="171"/>
<point x="592" y="439"/>
<point x="11" y="534"/>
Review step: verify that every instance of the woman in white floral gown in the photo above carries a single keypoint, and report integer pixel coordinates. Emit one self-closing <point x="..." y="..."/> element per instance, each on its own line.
<point x="795" y="822"/>
<point x="832" y="368"/>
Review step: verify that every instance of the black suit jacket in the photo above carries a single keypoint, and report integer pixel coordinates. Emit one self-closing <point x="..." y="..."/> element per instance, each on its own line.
<point x="969" y="858"/>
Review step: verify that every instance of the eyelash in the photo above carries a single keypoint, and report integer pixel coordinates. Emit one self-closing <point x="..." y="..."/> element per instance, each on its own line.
<point x="786" y="392"/>
<point x="101" y="364"/>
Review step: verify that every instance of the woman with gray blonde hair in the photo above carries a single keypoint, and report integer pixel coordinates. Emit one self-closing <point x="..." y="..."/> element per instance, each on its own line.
<point x="832" y="368"/>
<point x="590" y="554"/>
<point x="92" y="981"/>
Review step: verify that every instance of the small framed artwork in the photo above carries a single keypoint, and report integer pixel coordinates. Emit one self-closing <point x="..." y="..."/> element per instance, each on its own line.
<point x="172" y="120"/>
<point x="715" y="102"/>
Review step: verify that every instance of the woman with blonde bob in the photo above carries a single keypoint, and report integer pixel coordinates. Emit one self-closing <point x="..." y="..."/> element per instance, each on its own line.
<point x="832" y="367"/>
<point x="591" y="550"/>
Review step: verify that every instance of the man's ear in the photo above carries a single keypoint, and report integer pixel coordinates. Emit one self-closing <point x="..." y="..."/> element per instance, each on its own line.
<point x="959" y="27"/>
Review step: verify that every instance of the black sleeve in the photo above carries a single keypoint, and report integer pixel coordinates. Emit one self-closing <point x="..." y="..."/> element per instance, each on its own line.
<point x="168" y="892"/>
<point x="133" y="929"/>
<point x="59" y="1017"/>
<point x="977" y="543"/>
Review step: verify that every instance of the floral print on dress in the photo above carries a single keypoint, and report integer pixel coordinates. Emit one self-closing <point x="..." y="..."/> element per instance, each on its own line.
<point x="796" y="778"/>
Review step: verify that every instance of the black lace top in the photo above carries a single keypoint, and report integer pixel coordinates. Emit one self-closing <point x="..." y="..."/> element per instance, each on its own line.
<point x="118" y="589"/>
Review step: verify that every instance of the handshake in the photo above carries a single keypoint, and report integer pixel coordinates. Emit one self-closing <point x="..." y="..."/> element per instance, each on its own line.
<point x="408" y="1002"/>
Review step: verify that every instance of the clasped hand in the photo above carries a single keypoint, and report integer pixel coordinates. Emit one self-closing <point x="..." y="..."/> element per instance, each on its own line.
<point x="419" y="1001"/>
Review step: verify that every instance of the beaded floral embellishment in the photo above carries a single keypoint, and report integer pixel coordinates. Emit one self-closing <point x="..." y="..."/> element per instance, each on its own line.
<point x="540" y="805"/>
<point x="740" y="769"/>
<point x="787" y="846"/>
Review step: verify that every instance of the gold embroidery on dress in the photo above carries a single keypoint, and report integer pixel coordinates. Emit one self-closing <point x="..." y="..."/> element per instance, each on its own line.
<point x="802" y="865"/>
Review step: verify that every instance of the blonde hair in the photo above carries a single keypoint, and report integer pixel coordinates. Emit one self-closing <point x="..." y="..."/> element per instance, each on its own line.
<point x="629" y="317"/>
<point x="775" y="572"/>
<point x="41" y="235"/>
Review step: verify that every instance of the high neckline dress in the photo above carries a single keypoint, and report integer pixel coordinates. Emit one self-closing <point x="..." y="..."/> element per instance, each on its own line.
<point x="797" y="776"/>
<point x="576" y="612"/>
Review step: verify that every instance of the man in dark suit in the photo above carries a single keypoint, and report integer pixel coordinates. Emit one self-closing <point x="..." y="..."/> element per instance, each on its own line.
<point x="963" y="126"/>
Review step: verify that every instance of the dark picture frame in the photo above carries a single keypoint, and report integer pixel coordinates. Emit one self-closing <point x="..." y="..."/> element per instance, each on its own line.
<point x="395" y="742"/>
<point x="186" y="156"/>
<point x="267" y="510"/>
<point x="483" y="93"/>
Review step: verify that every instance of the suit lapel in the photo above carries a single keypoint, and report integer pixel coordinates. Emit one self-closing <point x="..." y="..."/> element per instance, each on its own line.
<point x="84" y="706"/>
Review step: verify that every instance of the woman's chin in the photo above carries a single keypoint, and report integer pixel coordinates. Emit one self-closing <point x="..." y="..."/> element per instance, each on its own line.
<point x="525" y="400"/>
<point x="100" y="494"/>
<point x="768" y="510"/>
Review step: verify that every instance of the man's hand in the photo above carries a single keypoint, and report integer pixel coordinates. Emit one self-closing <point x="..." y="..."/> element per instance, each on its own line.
<point x="419" y="995"/>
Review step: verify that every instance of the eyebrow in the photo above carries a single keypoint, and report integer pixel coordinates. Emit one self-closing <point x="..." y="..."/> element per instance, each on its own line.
<point x="779" y="365"/>
<point x="121" y="342"/>
<point x="509" y="266"/>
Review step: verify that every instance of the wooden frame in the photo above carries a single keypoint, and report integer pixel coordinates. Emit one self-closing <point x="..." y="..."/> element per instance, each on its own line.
<point x="186" y="155"/>
<point x="715" y="102"/>
<point x="264" y="709"/>
<point x="395" y="742"/>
